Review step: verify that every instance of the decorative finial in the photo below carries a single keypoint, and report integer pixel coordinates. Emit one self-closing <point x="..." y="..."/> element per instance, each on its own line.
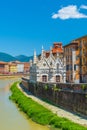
<point x="35" y="57"/>
<point x="42" y="54"/>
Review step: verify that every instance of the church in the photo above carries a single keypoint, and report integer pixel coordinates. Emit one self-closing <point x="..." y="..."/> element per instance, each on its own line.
<point x="49" y="66"/>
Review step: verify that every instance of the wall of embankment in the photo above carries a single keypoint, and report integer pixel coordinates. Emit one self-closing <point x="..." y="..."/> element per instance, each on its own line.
<point x="72" y="97"/>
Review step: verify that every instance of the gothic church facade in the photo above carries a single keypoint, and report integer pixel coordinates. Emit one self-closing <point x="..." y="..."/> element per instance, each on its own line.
<point x="49" y="66"/>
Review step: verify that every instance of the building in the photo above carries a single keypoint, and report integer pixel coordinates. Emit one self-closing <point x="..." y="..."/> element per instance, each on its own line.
<point x="76" y="60"/>
<point x="4" y="68"/>
<point x="82" y="58"/>
<point x="50" y="66"/>
<point x="70" y="52"/>
<point x="20" y="66"/>
<point x="26" y="67"/>
<point x="12" y="68"/>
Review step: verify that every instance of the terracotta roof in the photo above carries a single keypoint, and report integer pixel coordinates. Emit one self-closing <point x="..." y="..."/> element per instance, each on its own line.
<point x="1" y="62"/>
<point x="81" y="37"/>
<point x="71" y="44"/>
<point x="57" y="47"/>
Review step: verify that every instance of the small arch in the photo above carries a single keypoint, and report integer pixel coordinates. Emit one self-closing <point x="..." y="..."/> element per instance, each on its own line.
<point x="44" y="78"/>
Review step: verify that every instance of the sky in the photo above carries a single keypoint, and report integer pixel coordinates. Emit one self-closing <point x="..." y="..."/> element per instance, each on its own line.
<point x="27" y="25"/>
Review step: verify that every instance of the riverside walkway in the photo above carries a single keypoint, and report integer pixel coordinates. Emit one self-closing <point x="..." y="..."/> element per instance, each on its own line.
<point x="59" y="111"/>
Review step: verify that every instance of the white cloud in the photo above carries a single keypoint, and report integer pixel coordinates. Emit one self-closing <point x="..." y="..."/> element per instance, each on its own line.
<point x="83" y="7"/>
<point x="68" y="12"/>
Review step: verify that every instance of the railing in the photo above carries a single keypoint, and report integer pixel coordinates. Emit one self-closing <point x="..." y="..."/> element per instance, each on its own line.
<point x="85" y="44"/>
<point x="85" y="53"/>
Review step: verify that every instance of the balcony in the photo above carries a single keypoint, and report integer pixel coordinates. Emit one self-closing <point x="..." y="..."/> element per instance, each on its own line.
<point x="80" y="54"/>
<point x="83" y="72"/>
<point x="80" y="46"/>
<point x="85" y="63"/>
<point x="85" y="44"/>
<point x="85" y="53"/>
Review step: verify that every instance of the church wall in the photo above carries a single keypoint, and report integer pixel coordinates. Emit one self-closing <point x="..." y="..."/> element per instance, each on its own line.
<point x="72" y="97"/>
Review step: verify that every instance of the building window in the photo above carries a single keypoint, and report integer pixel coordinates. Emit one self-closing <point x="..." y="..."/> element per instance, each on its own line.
<point x="67" y="67"/>
<point x="44" y="78"/>
<point x="75" y="67"/>
<point x="70" y="67"/>
<point x="57" y="78"/>
<point x="71" y="77"/>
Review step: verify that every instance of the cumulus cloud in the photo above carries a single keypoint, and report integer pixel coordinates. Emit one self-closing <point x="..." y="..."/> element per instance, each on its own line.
<point x="83" y="6"/>
<point x="68" y="12"/>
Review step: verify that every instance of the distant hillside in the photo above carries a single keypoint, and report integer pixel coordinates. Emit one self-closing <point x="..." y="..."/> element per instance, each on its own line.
<point x="24" y="58"/>
<point x="7" y="58"/>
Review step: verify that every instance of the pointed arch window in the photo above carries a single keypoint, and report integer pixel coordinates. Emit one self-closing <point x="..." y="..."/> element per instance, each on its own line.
<point x="44" y="78"/>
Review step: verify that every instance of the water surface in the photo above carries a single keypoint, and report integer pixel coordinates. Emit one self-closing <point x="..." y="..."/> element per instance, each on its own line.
<point x="10" y="117"/>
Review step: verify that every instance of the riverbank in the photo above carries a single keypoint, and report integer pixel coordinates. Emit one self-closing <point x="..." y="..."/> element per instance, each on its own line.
<point x="10" y="76"/>
<point x="40" y="114"/>
<point x="10" y="117"/>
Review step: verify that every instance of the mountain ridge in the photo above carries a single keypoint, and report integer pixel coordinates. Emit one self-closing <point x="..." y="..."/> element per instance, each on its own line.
<point x="8" y="58"/>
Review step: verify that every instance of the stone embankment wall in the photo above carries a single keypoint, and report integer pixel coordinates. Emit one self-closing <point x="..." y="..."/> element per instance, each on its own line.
<point x="71" y="97"/>
<point x="25" y="82"/>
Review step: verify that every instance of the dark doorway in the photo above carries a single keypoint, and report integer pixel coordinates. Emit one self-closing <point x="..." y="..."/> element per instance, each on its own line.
<point x="57" y="78"/>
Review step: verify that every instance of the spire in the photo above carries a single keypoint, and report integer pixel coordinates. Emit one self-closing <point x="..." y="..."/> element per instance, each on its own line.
<point x="35" y="57"/>
<point x="50" y="50"/>
<point x="42" y="54"/>
<point x="42" y="47"/>
<point x="30" y="62"/>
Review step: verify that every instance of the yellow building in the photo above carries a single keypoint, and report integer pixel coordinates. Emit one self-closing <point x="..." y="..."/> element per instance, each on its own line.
<point x="12" y="68"/>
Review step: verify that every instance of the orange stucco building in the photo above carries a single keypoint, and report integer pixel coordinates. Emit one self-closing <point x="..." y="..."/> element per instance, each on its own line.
<point x="4" y="67"/>
<point x="82" y="58"/>
<point x="76" y="60"/>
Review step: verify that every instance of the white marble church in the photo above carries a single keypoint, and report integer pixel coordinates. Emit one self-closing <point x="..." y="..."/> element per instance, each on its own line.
<point x="49" y="66"/>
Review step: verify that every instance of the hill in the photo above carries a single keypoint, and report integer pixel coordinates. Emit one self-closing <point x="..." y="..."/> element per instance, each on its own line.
<point x="7" y="58"/>
<point x="24" y="58"/>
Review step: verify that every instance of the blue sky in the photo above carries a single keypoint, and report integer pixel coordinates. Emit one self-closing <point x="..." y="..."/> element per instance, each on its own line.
<point x="26" y="25"/>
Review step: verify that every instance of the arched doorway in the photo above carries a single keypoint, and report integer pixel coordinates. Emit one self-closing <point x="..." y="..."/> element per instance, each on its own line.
<point x="44" y="78"/>
<point x="57" y="78"/>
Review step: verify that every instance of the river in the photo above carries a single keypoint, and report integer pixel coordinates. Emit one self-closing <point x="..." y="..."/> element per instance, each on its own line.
<point x="10" y="117"/>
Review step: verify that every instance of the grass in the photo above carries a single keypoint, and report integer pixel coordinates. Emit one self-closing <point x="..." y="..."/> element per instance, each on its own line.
<point x="40" y="114"/>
